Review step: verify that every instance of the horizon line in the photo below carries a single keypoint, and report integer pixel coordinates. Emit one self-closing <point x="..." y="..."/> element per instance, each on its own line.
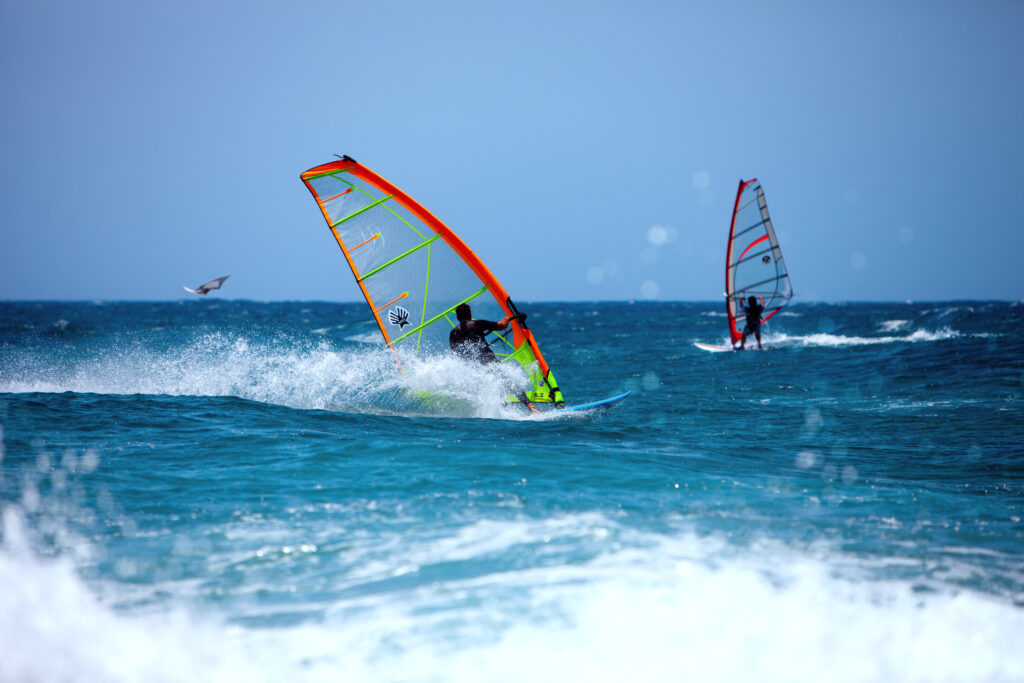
<point x="531" y="301"/>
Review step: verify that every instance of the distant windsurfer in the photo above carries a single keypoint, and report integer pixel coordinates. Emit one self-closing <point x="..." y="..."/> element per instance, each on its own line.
<point x="753" y="311"/>
<point x="205" y="288"/>
<point x="468" y="340"/>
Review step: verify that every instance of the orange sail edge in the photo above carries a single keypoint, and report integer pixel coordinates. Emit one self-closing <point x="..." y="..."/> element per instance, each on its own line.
<point x="348" y="259"/>
<point x="494" y="286"/>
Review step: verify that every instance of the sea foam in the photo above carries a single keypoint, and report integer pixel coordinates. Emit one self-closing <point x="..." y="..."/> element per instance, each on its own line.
<point x="308" y="376"/>
<point x="678" y="609"/>
<point x="839" y="340"/>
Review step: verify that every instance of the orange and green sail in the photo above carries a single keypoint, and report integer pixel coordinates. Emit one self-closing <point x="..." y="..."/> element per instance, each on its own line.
<point x="414" y="271"/>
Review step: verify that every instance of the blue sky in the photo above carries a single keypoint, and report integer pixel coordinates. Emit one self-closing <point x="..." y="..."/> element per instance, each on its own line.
<point x="153" y="145"/>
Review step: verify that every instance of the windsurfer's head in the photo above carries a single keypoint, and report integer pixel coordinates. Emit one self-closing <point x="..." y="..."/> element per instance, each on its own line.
<point x="462" y="312"/>
<point x="752" y="301"/>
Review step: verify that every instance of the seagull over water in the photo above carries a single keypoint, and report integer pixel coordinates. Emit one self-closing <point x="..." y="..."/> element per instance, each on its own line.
<point x="205" y="288"/>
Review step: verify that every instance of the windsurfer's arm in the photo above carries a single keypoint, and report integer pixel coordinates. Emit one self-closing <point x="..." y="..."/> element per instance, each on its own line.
<point x="521" y="317"/>
<point x="484" y="326"/>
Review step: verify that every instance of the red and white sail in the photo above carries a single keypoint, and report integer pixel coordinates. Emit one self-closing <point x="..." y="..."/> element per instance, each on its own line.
<point x="753" y="262"/>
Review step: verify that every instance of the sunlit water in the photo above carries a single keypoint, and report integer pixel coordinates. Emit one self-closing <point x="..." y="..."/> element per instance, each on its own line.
<point x="219" y="490"/>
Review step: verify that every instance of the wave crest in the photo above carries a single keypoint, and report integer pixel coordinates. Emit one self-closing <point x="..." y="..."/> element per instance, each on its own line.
<point x="309" y="375"/>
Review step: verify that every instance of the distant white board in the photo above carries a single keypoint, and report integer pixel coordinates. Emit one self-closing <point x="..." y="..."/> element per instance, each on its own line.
<point x="713" y="348"/>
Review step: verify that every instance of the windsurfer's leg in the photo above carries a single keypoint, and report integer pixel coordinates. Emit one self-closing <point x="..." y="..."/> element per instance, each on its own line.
<point x="757" y="333"/>
<point x="522" y="397"/>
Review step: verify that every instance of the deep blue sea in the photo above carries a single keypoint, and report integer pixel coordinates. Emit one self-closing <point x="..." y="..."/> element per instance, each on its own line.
<point x="216" y="490"/>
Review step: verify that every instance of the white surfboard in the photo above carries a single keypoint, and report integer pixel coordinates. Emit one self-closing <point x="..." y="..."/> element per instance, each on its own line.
<point x="713" y="348"/>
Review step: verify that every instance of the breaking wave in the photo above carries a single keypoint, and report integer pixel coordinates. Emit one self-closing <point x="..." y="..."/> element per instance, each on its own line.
<point x="664" y="609"/>
<point x="306" y="376"/>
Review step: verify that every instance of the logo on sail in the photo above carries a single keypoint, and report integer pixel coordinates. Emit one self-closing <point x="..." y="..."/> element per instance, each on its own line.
<point x="398" y="316"/>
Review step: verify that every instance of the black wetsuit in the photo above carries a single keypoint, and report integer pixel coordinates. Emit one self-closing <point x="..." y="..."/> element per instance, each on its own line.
<point x="753" y="318"/>
<point x="467" y="339"/>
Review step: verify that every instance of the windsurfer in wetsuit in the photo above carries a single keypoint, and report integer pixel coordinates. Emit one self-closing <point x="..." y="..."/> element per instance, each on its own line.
<point x="468" y="340"/>
<point x="753" y="311"/>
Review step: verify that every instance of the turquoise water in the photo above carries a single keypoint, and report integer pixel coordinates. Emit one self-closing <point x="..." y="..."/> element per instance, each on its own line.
<point x="219" y="490"/>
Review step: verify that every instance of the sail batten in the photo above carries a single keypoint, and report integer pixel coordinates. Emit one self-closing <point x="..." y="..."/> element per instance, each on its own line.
<point x="752" y="227"/>
<point x="761" y="274"/>
<point x="359" y="211"/>
<point x="395" y="259"/>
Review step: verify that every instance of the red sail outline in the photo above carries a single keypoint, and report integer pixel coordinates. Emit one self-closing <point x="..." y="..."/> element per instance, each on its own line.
<point x="734" y="334"/>
<point x="519" y="333"/>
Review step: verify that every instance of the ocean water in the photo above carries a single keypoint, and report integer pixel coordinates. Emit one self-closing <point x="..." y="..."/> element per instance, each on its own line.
<point x="218" y="490"/>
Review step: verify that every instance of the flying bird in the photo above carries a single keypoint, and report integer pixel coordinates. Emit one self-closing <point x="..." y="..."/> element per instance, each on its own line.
<point x="212" y="284"/>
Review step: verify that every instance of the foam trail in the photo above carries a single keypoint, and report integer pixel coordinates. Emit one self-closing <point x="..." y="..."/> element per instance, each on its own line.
<point x="821" y="339"/>
<point x="838" y="340"/>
